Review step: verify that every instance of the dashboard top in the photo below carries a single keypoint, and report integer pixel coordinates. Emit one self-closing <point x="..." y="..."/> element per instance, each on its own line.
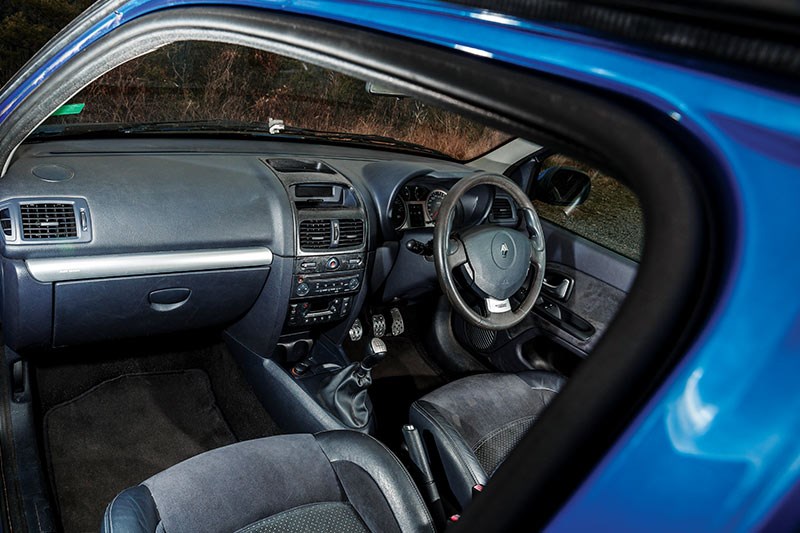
<point x="150" y="195"/>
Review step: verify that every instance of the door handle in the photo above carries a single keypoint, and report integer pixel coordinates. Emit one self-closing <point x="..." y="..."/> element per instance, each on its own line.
<point x="559" y="289"/>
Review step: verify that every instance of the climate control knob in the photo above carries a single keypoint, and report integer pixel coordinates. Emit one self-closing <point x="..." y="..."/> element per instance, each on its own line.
<point x="352" y="284"/>
<point x="302" y="289"/>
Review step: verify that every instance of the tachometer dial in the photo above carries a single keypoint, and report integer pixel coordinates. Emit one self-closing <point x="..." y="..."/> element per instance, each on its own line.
<point x="398" y="212"/>
<point x="434" y="202"/>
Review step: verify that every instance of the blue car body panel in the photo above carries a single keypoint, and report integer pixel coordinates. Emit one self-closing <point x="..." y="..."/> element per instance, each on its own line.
<point x="717" y="447"/>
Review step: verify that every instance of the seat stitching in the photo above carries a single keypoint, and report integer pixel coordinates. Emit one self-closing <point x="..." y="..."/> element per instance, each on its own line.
<point x="545" y="388"/>
<point x="500" y="429"/>
<point x="402" y="469"/>
<point x="373" y="479"/>
<point x="108" y="513"/>
<point x="411" y="481"/>
<point x="446" y="435"/>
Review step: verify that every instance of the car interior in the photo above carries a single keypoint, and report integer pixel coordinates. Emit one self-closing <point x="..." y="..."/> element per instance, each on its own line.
<point x="196" y="307"/>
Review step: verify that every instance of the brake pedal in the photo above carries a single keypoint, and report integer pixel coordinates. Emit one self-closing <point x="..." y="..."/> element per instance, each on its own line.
<point x="356" y="331"/>
<point x="398" y="326"/>
<point x="378" y="325"/>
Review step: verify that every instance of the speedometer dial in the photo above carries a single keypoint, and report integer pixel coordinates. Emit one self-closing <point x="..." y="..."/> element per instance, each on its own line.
<point x="434" y="202"/>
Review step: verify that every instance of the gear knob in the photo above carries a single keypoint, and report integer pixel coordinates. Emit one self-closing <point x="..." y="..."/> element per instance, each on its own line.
<point x="376" y="351"/>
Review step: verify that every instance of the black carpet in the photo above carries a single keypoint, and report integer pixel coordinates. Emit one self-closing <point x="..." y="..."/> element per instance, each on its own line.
<point x="123" y="431"/>
<point x="71" y="372"/>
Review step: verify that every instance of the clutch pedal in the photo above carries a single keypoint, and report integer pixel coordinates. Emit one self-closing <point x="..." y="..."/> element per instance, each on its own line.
<point x="398" y="326"/>
<point x="356" y="331"/>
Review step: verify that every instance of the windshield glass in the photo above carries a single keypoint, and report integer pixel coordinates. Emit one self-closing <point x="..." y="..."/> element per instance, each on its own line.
<point x="233" y="87"/>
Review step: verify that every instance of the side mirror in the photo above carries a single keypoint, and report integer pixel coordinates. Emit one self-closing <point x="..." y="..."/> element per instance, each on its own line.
<point x="563" y="186"/>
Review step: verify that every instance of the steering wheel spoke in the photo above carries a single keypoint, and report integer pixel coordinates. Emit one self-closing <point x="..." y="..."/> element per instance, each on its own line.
<point x="494" y="306"/>
<point x="456" y="253"/>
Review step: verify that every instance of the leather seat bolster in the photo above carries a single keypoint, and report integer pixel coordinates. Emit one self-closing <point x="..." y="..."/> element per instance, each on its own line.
<point x="228" y="488"/>
<point x="132" y="511"/>
<point x="362" y="463"/>
<point x="476" y="421"/>
<point x="544" y="381"/>
<point x="460" y="464"/>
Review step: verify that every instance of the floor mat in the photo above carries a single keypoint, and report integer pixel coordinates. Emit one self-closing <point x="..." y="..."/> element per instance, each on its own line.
<point x="123" y="431"/>
<point x="69" y="373"/>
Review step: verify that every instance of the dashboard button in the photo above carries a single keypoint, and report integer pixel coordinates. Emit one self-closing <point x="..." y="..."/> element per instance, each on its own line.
<point x="332" y="263"/>
<point x="302" y="289"/>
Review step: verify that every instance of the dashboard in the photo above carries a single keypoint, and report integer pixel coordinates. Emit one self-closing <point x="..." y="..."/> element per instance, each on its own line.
<point x="106" y="239"/>
<point x="116" y="238"/>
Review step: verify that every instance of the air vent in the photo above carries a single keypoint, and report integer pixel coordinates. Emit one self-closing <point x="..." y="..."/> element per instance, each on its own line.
<point x="42" y="221"/>
<point x="501" y="209"/>
<point x="315" y="234"/>
<point x="5" y="222"/>
<point x="351" y="233"/>
<point x="300" y="165"/>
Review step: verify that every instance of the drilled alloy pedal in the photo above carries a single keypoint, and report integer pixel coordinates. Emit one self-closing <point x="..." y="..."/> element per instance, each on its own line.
<point x="378" y="325"/>
<point x="398" y="327"/>
<point x="356" y="331"/>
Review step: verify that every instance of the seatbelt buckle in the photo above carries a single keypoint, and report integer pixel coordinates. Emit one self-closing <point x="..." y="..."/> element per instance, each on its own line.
<point x="476" y="489"/>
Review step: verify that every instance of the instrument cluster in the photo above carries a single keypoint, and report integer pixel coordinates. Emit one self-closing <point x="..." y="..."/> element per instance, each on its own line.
<point x="416" y="206"/>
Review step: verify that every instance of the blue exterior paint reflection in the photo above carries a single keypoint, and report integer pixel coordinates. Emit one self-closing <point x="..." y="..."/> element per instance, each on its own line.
<point x="718" y="447"/>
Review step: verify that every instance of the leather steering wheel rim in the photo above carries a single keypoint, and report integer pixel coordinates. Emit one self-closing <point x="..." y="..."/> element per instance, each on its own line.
<point x="451" y="252"/>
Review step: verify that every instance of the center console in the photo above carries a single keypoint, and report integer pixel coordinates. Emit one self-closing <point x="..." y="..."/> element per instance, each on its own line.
<point x="331" y="243"/>
<point x="323" y="288"/>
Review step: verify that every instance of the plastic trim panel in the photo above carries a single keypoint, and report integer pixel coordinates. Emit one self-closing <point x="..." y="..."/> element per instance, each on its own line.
<point x="106" y="266"/>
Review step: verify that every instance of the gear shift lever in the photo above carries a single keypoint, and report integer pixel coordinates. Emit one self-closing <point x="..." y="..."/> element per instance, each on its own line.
<point x="376" y="351"/>
<point x="344" y="393"/>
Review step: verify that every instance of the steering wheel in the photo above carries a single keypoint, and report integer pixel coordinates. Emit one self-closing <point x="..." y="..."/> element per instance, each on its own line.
<point x="496" y="259"/>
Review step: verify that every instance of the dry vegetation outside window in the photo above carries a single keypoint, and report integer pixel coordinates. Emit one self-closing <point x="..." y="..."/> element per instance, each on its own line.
<point x="197" y="81"/>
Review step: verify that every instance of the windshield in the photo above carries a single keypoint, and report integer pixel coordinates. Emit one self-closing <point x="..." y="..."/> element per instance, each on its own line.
<point x="220" y="86"/>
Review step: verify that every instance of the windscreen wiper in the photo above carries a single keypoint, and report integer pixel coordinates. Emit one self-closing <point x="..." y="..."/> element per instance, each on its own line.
<point x="135" y="128"/>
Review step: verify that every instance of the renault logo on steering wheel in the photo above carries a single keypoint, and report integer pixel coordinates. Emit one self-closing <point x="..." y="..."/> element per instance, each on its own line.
<point x="504" y="250"/>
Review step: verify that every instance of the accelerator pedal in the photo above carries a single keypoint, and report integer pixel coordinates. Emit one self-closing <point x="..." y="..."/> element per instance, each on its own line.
<point x="398" y="326"/>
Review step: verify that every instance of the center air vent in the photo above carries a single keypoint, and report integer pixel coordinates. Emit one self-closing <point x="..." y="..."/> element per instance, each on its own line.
<point x="351" y="233"/>
<point x="330" y="234"/>
<point x="48" y="221"/>
<point x="501" y="209"/>
<point x="315" y="234"/>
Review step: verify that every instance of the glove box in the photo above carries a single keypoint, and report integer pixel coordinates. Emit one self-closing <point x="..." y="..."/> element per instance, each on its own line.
<point x="103" y="309"/>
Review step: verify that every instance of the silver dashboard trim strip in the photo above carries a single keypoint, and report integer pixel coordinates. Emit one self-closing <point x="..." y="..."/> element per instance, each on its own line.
<point x="109" y="266"/>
